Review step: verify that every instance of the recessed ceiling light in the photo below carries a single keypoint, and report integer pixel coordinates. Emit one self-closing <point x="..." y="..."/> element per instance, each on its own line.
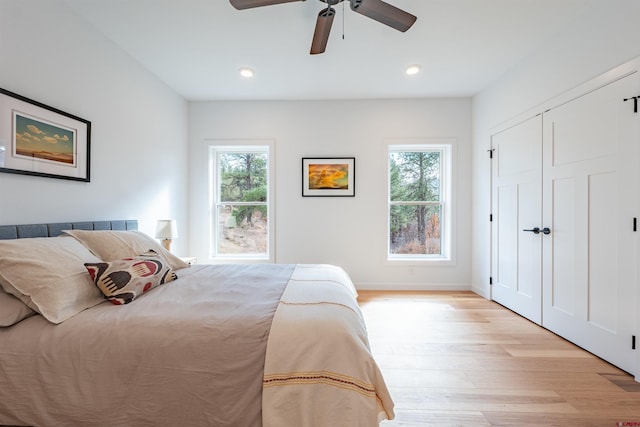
<point x="413" y="69"/>
<point x="246" y="72"/>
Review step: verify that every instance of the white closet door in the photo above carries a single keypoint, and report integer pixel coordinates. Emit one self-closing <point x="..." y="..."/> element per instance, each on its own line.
<point x="517" y="199"/>
<point x="590" y="191"/>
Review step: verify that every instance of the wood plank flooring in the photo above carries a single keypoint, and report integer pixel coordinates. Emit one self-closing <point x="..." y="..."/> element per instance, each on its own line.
<point x="457" y="359"/>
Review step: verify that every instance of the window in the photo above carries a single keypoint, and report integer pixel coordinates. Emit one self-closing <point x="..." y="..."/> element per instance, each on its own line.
<point x="419" y="210"/>
<point x="240" y="209"/>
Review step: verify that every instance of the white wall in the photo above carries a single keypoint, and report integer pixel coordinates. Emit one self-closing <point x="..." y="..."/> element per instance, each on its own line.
<point x="138" y="142"/>
<point x="602" y="38"/>
<point x="350" y="232"/>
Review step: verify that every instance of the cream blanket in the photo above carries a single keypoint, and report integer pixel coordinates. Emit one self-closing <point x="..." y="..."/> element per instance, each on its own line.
<point x="319" y="370"/>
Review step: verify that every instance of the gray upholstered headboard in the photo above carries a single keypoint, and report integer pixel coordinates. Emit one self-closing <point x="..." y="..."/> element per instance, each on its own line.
<point x="55" y="229"/>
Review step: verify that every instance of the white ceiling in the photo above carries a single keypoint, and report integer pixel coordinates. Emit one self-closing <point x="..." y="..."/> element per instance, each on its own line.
<point x="197" y="46"/>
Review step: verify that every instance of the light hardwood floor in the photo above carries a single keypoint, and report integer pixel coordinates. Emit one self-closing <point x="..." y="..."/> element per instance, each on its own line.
<point x="457" y="359"/>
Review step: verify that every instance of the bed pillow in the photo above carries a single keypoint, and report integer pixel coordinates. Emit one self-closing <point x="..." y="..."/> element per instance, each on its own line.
<point x="111" y="245"/>
<point x="48" y="275"/>
<point x="124" y="280"/>
<point x="12" y="310"/>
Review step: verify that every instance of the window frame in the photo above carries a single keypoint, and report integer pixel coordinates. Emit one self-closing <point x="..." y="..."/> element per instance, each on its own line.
<point x="447" y="149"/>
<point x="239" y="146"/>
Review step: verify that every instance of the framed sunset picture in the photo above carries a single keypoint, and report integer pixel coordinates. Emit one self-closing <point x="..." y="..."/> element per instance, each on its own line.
<point x="39" y="140"/>
<point x="328" y="176"/>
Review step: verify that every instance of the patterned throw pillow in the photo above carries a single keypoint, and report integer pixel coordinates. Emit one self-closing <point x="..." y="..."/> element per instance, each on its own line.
<point x="124" y="280"/>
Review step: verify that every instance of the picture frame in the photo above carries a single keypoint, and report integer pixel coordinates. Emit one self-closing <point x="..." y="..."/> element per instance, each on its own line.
<point x="40" y="140"/>
<point x="328" y="176"/>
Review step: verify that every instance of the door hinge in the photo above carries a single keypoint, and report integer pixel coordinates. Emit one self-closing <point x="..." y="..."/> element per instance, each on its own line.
<point x="490" y="217"/>
<point x="635" y="102"/>
<point x="491" y="153"/>
<point x="491" y="280"/>
<point x="635" y="224"/>
<point x="633" y="342"/>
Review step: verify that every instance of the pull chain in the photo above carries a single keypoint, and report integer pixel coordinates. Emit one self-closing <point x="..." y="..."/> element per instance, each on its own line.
<point x="342" y="20"/>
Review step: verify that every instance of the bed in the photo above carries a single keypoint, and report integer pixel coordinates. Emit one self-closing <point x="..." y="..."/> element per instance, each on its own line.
<point x="100" y="326"/>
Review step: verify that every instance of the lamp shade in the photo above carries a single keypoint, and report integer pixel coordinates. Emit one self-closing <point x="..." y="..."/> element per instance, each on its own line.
<point x="166" y="229"/>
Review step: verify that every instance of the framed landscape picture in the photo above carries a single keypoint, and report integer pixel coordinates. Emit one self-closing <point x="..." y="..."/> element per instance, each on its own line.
<point x="39" y="140"/>
<point x="328" y="176"/>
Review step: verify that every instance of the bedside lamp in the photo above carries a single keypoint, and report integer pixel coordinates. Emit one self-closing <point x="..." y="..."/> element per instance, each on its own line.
<point x="166" y="229"/>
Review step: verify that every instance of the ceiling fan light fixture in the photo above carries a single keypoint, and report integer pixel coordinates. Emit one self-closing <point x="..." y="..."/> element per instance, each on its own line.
<point x="412" y="70"/>
<point x="323" y="29"/>
<point x="247" y="73"/>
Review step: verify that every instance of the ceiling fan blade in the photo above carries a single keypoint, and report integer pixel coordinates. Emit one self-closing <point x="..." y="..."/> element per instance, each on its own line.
<point x="384" y="13"/>
<point x="323" y="28"/>
<point x="248" y="4"/>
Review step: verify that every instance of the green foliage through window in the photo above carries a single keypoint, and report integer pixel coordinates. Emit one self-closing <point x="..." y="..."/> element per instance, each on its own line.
<point x="242" y="200"/>
<point x="415" y="202"/>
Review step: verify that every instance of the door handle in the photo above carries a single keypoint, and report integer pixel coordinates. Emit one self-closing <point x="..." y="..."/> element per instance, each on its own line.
<point x="536" y="230"/>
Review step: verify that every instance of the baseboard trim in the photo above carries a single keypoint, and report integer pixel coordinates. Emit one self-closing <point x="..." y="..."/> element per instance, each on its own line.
<point x="483" y="292"/>
<point x="364" y="286"/>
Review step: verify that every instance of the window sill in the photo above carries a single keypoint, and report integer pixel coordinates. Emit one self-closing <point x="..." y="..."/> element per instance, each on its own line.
<point x="422" y="262"/>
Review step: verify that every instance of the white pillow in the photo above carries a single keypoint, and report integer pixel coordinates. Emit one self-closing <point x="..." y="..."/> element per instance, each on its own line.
<point x="48" y="275"/>
<point x="112" y="245"/>
<point x="12" y="310"/>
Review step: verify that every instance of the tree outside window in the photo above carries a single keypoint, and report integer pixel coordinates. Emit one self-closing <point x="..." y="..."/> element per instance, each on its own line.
<point x="241" y="197"/>
<point x="417" y="202"/>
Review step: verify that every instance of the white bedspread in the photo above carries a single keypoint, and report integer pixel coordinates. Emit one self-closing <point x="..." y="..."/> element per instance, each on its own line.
<point x="319" y="370"/>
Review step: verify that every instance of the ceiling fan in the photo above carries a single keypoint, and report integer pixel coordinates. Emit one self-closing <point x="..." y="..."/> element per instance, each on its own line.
<point x="375" y="9"/>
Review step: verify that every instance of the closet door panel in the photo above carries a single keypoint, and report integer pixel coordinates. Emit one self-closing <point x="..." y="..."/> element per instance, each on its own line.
<point x="517" y="197"/>
<point x="604" y="275"/>
<point x="563" y="285"/>
<point x="590" y="191"/>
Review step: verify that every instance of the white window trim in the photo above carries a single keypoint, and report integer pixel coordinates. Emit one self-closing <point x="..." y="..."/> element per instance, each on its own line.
<point x="448" y="146"/>
<point x="214" y="146"/>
